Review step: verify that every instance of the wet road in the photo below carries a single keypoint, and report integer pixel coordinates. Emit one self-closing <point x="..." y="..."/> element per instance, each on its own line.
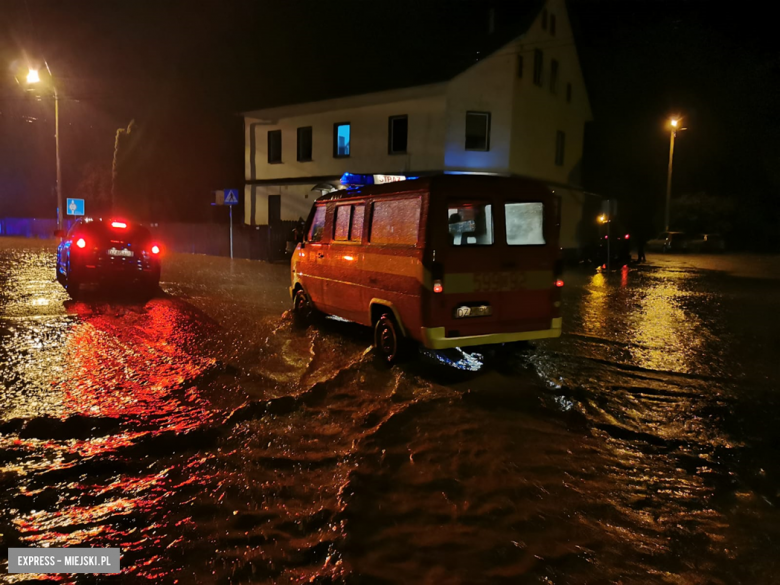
<point x="215" y="443"/>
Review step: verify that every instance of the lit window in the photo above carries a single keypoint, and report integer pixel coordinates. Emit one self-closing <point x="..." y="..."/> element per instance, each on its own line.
<point x="398" y="134"/>
<point x="477" y="131"/>
<point x="560" y="146"/>
<point x="470" y="223"/>
<point x="538" y="66"/>
<point x="341" y="135"/>
<point x="553" y="76"/>
<point x="524" y="224"/>
<point x="304" y="144"/>
<point x="274" y="146"/>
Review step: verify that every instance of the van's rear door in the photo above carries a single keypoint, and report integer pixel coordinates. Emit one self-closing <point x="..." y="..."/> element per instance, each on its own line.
<point x="498" y="259"/>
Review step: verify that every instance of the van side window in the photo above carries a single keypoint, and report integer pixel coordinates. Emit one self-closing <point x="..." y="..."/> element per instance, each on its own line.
<point x="470" y="223"/>
<point x="341" y="224"/>
<point x="524" y="224"/>
<point x="317" y="225"/>
<point x="356" y="232"/>
<point x="396" y="222"/>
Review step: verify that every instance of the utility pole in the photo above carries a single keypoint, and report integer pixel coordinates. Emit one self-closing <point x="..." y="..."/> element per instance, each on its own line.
<point x="60" y="204"/>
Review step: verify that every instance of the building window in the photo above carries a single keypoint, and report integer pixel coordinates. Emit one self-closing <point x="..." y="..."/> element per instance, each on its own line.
<point x="544" y="19"/>
<point x="304" y="144"/>
<point x="560" y="146"/>
<point x="568" y="93"/>
<point x="552" y="24"/>
<point x="538" y="65"/>
<point x="274" y="146"/>
<point x="341" y="134"/>
<point x="477" y="131"/>
<point x="554" y="76"/>
<point x="520" y="66"/>
<point x="397" y="134"/>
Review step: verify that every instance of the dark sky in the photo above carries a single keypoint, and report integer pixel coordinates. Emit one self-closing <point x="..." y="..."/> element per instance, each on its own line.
<point x="184" y="70"/>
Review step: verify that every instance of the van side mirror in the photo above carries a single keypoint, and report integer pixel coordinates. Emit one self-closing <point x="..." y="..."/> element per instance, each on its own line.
<point x="59" y="233"/>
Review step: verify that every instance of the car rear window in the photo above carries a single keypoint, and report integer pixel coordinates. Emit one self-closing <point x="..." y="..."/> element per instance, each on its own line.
<point x="470" y="223"/>
<point x="396" y="222"/>
<point x="525" y="224"/>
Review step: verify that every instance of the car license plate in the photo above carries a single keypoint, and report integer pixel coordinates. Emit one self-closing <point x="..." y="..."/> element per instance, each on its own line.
<point x="473" y="311"/>
<point x="123" y="253"/>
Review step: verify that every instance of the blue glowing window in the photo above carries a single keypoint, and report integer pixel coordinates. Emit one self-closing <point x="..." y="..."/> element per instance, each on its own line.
<point x="341" y="132"/>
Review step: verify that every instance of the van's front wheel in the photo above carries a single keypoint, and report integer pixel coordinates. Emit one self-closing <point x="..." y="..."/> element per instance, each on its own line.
<point x="388" y="342"/>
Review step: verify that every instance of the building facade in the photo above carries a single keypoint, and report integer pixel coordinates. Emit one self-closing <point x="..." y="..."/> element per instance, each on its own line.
<point x="521" y="110"/>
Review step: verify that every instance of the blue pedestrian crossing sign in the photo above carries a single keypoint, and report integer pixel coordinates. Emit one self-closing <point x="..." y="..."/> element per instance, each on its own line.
<point x="75" y="207"/>
<point x="231" y="196"/>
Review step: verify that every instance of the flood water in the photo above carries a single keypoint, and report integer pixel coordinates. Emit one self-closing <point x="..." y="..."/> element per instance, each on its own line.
<point x="214" y="442"/>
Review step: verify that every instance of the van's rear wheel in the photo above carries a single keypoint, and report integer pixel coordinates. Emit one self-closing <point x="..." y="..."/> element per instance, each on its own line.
<point x="388" y="342"/>
<point x="302" y="307"/>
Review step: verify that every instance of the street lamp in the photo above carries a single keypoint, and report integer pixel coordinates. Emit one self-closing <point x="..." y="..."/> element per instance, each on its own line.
<point x="34" y="77"/>
<point x="674" y="127"/>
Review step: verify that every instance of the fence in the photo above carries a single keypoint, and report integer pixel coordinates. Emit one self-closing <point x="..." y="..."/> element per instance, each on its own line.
<point x="251" y="242"/>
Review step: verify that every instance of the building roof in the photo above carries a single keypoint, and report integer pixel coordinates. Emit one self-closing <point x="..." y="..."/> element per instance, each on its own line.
<point x="415" y="43"/>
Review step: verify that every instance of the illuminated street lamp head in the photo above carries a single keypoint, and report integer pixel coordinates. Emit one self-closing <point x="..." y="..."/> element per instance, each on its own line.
<point x="32" y="76"/>
<point x="674" y="122"/>
<point x="602" y="218"/>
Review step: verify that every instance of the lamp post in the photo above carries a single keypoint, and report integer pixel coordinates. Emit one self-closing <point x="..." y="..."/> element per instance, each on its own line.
<point x="34" y="77"/>
<point x="674" y="125"/>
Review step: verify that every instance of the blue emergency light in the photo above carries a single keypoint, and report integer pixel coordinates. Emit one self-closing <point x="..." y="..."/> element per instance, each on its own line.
<point x="358" y="180"/>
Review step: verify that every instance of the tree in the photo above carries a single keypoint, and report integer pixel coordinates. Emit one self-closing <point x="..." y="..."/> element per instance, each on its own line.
<point x="94" y="186"/>
<point x="702" y="213"/>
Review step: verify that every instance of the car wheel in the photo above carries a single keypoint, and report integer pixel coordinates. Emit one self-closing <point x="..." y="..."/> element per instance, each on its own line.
<point x="388" y="342"/>
<point x="73" y="287"/>
<point x="302" y="308"/>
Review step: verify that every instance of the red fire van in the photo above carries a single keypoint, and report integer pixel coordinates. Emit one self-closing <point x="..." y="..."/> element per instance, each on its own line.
<point x="446" y="261"/>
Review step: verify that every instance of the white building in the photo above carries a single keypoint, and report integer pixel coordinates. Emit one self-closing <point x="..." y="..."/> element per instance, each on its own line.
<point x="520" y="109"/>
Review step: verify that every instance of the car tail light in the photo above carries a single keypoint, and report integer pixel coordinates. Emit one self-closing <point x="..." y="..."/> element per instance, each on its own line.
<point x="559" y="283"/>
<point x="627" y="236"/>
<point x="437" y="286"/>
<point x="118" y="224"/>
<point x="155" y="249"/>
<point x="81" y="243"/>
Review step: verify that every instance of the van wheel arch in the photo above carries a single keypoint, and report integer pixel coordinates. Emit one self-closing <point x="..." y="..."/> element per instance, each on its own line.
<point x="379" y="308"/>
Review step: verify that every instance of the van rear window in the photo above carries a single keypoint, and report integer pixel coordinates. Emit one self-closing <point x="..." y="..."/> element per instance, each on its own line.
<point x="395" y="222"/>
<point x="525" y="224"/>
<point x="470" y="223"/>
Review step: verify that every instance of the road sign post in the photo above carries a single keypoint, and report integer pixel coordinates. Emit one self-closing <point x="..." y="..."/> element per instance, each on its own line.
<point x="228" y="197"/>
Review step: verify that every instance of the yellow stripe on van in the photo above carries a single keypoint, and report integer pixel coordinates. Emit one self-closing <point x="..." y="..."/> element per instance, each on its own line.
<point x="395" y="265"/>
<point x="469" y="282"/>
